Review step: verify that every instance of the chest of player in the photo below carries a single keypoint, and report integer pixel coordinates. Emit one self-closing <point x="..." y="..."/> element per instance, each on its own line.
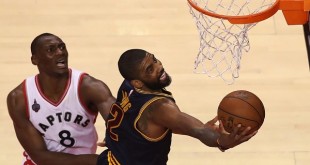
<point x="67" y="115"/>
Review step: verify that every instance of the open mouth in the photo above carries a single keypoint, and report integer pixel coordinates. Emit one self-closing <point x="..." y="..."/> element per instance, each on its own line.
<point x="163" y="76"/>
<point x="61" y="63"/>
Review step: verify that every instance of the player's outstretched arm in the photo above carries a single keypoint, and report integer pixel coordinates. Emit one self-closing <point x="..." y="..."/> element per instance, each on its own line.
<point x="31" y="139"/>
<point x="166" y="113"/>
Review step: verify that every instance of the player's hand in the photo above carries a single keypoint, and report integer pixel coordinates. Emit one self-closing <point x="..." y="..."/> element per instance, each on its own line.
<point x="212" y="124"/>
<point x="101" y="144"/>
<point x="233" y="139"/>
<point x="218" y="128"/>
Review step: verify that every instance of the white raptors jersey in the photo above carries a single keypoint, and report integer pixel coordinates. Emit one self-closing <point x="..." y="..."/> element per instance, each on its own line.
<point x="66" y="125"/>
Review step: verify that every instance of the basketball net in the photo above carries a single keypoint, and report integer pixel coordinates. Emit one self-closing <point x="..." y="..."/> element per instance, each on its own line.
<point x="221" y="42"/>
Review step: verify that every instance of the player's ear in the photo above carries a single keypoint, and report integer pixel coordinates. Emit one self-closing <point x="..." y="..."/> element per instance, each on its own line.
<point x="137" y="83"/>
<point x="34" y="60"/>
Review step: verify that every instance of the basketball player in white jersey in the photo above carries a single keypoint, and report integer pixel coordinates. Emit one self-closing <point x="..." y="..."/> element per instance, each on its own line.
<point x="54" y="111"/>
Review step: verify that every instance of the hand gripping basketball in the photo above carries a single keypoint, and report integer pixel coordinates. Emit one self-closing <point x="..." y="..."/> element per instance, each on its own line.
<point x="226" y="141"/>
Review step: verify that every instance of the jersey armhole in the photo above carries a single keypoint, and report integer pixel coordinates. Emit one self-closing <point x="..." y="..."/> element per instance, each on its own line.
<point x="138" y="117"/>
<point x="26" y="98"/>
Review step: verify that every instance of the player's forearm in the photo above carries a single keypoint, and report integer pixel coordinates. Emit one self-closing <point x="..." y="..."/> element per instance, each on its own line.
<point x="207" y="136"/>
<point x="52" y="158"/>
<point x="189" y="125"/>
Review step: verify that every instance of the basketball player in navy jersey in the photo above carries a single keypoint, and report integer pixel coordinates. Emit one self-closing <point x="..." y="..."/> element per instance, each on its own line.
<point x="54" y="111"/>
<point x="141" y="122"/>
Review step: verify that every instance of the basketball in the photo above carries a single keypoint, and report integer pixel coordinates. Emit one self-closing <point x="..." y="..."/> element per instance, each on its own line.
<point x="241" y="107"/>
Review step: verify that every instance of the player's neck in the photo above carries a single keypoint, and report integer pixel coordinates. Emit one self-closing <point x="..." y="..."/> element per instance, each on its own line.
<point x="146" y="89"/>
<point x="51" y="86"/>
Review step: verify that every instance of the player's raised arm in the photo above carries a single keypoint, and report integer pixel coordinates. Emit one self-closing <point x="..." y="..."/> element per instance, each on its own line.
<point x="166" y="113"/>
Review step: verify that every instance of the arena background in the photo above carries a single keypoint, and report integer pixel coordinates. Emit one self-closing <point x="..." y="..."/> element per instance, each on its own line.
<point x="97" y="32"/>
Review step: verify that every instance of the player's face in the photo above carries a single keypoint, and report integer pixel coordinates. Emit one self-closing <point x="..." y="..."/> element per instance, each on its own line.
<point x="153" y="74"/>
<point x="51" y="56"/>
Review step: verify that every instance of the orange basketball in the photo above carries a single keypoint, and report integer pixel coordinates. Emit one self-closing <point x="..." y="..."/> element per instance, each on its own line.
<point x="241" y="107"/>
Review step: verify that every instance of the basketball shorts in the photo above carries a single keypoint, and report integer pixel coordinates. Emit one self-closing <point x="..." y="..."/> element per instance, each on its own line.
<point x="103" y="158"/>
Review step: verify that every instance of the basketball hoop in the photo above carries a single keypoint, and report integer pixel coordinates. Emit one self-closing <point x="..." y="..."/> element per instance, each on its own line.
<point x="223" y="27"/>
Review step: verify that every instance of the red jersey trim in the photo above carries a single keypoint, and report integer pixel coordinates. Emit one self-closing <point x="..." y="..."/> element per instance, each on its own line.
<point x="25" y="98"/>
<point x="63" y="95"/>
<point x="28" y="161"/>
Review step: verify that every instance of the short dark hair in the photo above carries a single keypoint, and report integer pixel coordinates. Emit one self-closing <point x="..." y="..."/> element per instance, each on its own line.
<point x="128" y="63"/>
<point x="35" y="41"/>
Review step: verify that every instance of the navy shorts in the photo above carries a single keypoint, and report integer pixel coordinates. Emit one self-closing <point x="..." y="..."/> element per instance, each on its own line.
<point x="103" y="158"/>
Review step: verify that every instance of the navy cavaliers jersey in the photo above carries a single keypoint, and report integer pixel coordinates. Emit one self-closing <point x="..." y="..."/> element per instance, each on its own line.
<point x="128" y="145"/>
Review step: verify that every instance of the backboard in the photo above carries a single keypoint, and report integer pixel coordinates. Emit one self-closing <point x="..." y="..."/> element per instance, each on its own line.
<point x="306" y="28"/>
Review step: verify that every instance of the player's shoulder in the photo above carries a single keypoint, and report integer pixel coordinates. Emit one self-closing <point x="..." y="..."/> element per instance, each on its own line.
<point x="17" y="92"/>
<point x="162" y="102"/>
<point x="16" y="100"/>
<point x="90" y="83"/>
<point x="88" y="80"/>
